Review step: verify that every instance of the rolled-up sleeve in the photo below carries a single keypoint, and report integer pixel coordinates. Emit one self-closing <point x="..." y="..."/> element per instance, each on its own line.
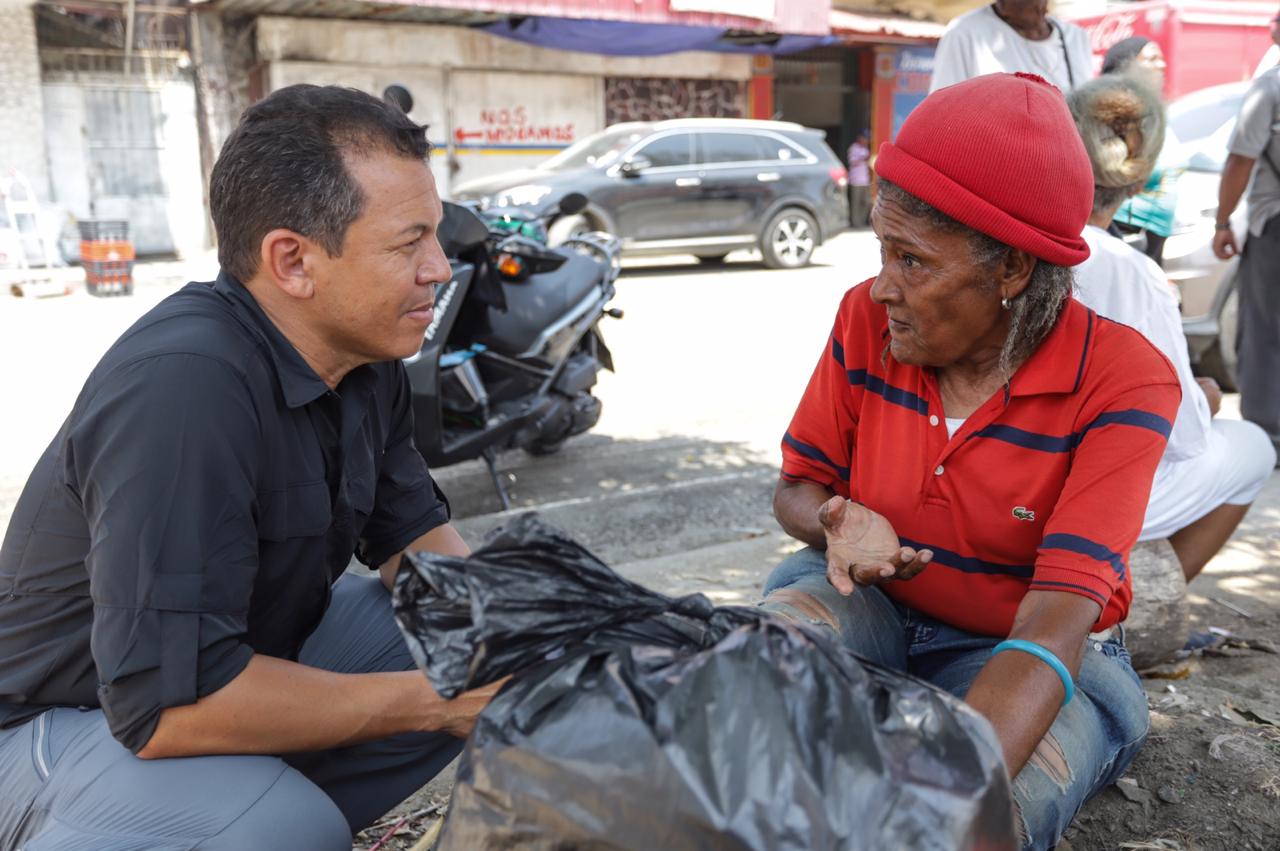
<point x="164" y="460"/>
<point x="1253" y="130"/>
<point x="407" y="501"/>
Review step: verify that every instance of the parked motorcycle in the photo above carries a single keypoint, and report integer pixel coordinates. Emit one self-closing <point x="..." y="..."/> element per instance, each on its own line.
<point x="513" y="350"/>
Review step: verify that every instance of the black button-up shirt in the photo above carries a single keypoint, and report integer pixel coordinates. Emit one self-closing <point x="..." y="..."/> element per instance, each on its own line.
<point x="195" y="508"/>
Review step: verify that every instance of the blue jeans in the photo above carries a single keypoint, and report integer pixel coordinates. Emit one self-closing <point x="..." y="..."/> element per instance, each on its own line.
<point x="1090" y="744"/>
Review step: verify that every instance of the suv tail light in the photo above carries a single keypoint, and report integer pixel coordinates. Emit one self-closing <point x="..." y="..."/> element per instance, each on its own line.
<point x="839" y="176"/>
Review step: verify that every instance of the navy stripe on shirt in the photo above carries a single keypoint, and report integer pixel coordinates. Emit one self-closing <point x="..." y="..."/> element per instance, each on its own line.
<point x="877" y="385"/>
<point x="1085" y="547"/>
<point x="1084" y="353"/>
<point x="813" y="453"/>
<point x="888" y="392"/>
<point x="1047" y="585"/>
<point x="837" y="351"/>
<point x="970" y="564"/>
<point x="1068" y="442"/>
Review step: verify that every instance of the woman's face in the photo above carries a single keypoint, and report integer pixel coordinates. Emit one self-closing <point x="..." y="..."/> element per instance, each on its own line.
<point x="943" y="307"/>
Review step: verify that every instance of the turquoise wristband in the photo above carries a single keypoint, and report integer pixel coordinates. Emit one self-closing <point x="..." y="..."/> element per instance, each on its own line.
<point x="1045" y="656"/>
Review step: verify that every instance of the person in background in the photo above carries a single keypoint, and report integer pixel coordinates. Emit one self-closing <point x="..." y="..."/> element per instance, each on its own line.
<point x="970" y="462"/>
<point x="1012" y="36"/>
<point x="1255" y="152"/>
<point x="1152" y="210"/>
<point x="860" y="180"/>
<point x="1212" y="469"/>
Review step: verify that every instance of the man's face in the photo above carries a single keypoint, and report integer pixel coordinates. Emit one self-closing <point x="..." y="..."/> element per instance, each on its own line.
<point x="374" y="302"/>
<point x="1024" y="15"/>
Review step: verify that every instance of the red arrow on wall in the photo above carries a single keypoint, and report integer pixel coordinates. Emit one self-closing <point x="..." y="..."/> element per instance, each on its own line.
<point x="462" y="136"/>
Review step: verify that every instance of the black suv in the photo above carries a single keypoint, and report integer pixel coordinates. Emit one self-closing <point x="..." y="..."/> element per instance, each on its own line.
<point x="701" y="186"/>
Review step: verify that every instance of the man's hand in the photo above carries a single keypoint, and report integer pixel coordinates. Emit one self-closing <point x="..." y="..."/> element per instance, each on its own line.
<point x="1224" y="244"/>
<point x="460" y="713"/>
<point x="863" y="548"/>
<point x="1212" y="394"/>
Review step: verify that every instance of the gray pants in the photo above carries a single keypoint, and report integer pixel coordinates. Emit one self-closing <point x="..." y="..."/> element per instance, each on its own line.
<point x="66" y="784"/>
<point x="1258" y="343"/>
<point x="859" y="206"/>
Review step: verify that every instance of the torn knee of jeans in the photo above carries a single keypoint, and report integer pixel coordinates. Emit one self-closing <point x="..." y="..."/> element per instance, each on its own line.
<point x="1050" y="760"/>
<point x="1020" y="822"/>
<point x="806" y="607"/>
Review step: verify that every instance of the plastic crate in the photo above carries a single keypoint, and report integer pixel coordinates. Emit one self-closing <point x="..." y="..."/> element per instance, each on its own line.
<point x="108" y="277"/>
<point x="100" y="230"/>
<point x="105" y="250"/>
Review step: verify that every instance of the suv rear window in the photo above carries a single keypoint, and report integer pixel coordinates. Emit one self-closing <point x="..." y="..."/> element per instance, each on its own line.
<point x="735" y="148"/>
<point x="668" y="151"/>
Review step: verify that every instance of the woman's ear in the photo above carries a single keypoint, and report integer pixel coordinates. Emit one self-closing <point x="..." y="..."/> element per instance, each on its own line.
<point x="283" y="262"/>
<point x="1015" y="272"/>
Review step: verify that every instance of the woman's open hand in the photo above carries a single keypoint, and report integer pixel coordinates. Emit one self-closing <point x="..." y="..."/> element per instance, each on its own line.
<point x="863" y="548"/>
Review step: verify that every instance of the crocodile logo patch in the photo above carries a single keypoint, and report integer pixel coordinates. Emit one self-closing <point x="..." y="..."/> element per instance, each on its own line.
<point x="1023" y="513"/>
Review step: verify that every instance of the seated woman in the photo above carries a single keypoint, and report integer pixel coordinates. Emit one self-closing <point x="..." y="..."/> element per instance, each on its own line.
<point x="1212" y="469"/>
<point x="971" y="460"/>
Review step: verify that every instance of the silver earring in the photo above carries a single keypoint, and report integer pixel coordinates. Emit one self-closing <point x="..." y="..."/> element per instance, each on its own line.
<point x="1004" y="302"/>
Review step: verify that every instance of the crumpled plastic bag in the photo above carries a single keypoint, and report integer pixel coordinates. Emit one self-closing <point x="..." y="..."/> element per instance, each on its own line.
<point x="639" y="721"/>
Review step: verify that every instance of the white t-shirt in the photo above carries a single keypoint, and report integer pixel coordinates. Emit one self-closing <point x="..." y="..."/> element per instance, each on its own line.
<point x="1126" y="286"/>
<point x="978" y="43"/>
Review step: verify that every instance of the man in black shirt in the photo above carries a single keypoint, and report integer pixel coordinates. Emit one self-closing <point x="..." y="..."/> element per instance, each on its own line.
<point x="180" y="665"/>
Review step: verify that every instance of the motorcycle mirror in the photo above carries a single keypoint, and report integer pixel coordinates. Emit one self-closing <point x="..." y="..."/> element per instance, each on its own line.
<point x="572" y="204"/>
<point x="635" y="165"/>
<point x="397" y="95"/>
<point x="460" y="229"/>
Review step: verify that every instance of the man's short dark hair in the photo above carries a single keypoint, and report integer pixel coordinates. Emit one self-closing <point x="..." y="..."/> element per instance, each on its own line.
<point x="282" y="167"/>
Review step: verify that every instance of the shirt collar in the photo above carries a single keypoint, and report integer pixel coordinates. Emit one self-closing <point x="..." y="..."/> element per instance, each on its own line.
<point x="298" y="380"/>
<point x="1057" y="365"/>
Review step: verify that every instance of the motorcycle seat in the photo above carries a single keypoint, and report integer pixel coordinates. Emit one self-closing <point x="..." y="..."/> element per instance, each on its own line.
<point x="537" y="303"/>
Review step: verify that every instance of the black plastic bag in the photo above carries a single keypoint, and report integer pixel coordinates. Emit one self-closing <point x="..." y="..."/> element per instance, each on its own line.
<point x="638" y="721"/>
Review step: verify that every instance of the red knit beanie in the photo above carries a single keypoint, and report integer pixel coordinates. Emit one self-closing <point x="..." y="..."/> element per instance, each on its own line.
<point x="1001" y="154"/>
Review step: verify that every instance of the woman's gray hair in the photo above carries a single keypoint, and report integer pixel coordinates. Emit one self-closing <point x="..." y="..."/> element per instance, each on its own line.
<point x="1122" y="123"/>
<point x="1033" y="313"/>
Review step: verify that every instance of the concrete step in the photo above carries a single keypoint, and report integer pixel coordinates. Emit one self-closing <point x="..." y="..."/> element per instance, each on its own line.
<point x="595" y="465"/>
<point x="730" y="573"/>
<point x="648" y="521"/>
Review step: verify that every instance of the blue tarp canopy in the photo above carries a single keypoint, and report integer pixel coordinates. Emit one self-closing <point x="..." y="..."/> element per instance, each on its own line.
<point x="623" y="38"/>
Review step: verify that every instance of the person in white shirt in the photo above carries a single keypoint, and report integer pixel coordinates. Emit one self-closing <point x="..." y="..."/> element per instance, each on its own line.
<point x="1212" y="469"/>
<point x="1012" y="36"/>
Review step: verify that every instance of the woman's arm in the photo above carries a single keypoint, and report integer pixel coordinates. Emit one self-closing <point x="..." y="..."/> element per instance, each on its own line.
<point x="1021" y="695"/>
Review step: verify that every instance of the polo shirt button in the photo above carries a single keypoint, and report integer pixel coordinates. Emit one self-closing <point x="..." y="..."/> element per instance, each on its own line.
<point x="933" y="419"/>
<point x="938" y="470"/>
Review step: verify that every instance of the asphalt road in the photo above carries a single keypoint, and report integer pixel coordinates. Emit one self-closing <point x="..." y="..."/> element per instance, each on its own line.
<point x="672" y="486"/>
<point x="710" y="362"/>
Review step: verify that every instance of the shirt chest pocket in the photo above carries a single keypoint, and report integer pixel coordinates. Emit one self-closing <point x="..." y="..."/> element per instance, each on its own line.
<point x="297" y="511"/>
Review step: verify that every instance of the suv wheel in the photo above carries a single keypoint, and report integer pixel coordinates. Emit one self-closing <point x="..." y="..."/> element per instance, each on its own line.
<point x="789" y="239"/>
<point x="566" y="228"/>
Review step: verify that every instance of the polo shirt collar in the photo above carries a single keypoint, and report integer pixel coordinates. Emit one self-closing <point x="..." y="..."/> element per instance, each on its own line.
<point x="298" y="380"/>
<point x="1057" y="366"/>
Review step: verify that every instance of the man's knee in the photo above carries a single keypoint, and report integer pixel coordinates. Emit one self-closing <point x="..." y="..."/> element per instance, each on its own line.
<point x="293" y="814"/>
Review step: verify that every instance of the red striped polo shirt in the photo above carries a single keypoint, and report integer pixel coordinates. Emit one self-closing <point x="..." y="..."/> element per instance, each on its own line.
<point x="1044" y="487"/>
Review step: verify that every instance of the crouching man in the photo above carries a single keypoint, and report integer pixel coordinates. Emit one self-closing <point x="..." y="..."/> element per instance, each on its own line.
<point x="183" y="662"/>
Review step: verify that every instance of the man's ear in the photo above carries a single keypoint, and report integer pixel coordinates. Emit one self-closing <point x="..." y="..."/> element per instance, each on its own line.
<point x="283" y="262"/>
<point x="1015" y="272"/>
